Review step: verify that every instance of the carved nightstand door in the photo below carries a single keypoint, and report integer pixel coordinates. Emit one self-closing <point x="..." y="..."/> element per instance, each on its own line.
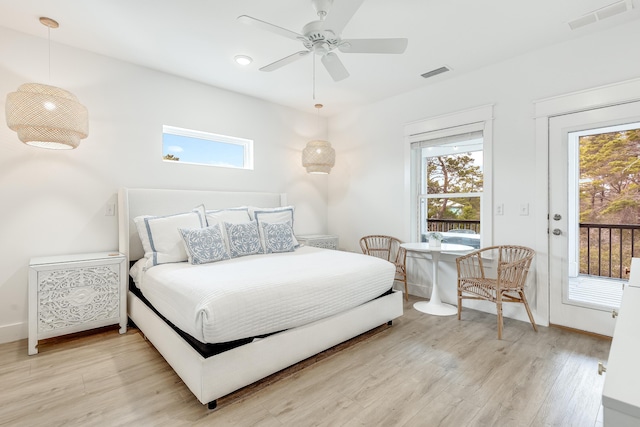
<point x="74" y="293"/>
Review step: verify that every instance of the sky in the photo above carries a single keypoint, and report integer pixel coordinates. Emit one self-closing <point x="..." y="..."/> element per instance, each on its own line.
<point x="202" y="151"/>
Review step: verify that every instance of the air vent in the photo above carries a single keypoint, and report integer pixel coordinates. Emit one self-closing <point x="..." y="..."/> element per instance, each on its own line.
<point x="602" y="13"/>
<point x="435" y="72"/>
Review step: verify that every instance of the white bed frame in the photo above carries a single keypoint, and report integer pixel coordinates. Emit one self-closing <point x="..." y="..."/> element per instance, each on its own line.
<point x="216" y="376"/>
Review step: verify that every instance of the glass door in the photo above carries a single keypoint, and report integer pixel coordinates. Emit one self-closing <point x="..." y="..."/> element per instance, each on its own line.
<point x="594" y="200"/>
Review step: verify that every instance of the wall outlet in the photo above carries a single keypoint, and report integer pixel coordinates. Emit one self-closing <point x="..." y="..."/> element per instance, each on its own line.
<point x="110" y="209"/>
<point x="500" y="209"/>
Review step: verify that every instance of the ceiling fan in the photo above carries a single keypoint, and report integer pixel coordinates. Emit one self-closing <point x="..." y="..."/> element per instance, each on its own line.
<point x="323" y="36"/>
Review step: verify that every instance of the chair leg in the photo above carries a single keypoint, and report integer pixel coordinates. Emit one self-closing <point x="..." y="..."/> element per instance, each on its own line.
<point x="459" y="304"/>
<point x="499" y="309"/>
<point x="526" y="305"/>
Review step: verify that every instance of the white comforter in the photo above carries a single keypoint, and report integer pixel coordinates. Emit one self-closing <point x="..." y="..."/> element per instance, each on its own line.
<point x="260" y="294"/>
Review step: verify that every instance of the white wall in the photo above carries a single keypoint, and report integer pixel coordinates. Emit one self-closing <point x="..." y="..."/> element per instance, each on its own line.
<point x="368" y="188"/>
<point x="53" y="202"/>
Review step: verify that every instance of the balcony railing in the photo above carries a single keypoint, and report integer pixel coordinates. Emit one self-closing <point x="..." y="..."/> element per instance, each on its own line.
<point x="606" y="249"/>
<point x="444" y="225"/>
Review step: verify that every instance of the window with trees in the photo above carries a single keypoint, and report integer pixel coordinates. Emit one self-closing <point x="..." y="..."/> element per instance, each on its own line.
<point x="450" y="171"/>
<point x="604" y="208"/>
<point x="450" y="187"/>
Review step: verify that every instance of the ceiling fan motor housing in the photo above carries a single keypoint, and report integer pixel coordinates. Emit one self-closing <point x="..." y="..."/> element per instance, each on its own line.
<point x="318" y="39"/>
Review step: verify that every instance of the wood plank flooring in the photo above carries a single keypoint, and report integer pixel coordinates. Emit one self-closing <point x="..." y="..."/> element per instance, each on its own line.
<point x="422" y="371"/>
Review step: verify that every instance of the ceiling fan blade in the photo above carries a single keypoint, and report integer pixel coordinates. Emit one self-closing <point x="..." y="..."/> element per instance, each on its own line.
<point x="270" y="27"/>
<point x="373" y="45"/>
<point x="340" y="14"/>
<point x="284" y="61"/>
<point x="335" y="67"/>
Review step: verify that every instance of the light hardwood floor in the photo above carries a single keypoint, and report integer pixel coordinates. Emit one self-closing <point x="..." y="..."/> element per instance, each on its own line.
<point x="422" y="371"/>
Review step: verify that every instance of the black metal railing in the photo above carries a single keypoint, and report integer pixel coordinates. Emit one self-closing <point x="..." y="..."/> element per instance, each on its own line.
<point x="606" y="249"/>
<point x="444" y="225"/>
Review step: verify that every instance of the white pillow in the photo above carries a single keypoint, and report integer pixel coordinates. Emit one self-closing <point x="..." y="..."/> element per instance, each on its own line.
<point x="237" y="215"/>
<point x="274" y="215"/>
<point x="232" y="215"/>
<point x="161" y="240"/>
<point x="277" y="237"/>
<point x="244" y="239"/>
<point x="204" y="245"/>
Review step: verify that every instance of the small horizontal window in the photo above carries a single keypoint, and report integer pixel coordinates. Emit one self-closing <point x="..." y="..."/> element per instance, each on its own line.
<point x="203" y="148"/>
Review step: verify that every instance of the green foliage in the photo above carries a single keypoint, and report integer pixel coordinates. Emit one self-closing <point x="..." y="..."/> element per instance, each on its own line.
<point x="453" y="174"/>
<point x="609" y="194"/>
<point x="610" y="178"/>
<point x="171" y="157"/>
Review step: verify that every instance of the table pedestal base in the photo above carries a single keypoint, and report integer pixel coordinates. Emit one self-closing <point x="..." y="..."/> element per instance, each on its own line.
<point x="436" y="308"/>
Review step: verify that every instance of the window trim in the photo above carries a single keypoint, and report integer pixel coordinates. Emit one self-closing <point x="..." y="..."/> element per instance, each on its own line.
<point x="480" y="118"/>
<point x="247" y="145"/>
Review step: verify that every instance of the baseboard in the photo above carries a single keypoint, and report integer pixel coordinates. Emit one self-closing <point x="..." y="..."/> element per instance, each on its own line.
<point x="13" y="332"/>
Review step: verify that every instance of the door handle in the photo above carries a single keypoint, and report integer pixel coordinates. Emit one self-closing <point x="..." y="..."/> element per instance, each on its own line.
<point x="557" y="232"/>
<point x="601" y="368"/>
<point x="557" y="217"/>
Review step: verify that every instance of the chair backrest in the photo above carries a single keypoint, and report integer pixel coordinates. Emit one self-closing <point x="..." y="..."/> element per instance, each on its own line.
<point x="513" y="265"/>
<point x="385" y="247"/>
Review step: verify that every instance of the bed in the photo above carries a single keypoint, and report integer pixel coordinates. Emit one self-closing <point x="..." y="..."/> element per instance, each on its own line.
<point x="212" y="375"/>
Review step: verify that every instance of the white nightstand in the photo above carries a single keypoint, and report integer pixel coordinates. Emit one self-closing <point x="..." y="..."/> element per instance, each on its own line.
<point x="73" y="293"/>
<point x="326" y="241"/>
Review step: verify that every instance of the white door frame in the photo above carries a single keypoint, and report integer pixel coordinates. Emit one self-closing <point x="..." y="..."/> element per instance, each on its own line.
<point x="603" y="96"/>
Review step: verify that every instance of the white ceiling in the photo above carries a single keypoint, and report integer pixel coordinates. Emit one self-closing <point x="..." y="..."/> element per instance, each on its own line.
<point x="198" y="39"/>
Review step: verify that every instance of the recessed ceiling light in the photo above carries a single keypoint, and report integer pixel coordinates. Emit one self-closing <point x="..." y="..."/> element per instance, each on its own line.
<point x="243" y="59"/>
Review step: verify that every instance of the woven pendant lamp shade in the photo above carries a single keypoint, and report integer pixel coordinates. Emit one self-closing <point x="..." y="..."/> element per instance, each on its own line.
<point x="47" y="117"/>
<point x="318" y="157"/>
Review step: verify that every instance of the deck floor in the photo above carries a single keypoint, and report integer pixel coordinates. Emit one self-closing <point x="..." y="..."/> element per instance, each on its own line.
<point x="596" y="291"/>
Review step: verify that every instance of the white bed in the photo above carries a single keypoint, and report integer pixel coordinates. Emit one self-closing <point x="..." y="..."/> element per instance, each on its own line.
<point x="213" y="377"/>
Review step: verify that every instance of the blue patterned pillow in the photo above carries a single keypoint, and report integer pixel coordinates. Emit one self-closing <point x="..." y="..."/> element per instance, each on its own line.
<point x="277" y="237"/>
<point x="204" y="245"/>
<point x="244" y="239"/>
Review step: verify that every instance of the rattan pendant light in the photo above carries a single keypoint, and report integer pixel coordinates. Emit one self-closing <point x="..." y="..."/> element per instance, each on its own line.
<point x="318" y="156"/>
<point x="46" y="116"/>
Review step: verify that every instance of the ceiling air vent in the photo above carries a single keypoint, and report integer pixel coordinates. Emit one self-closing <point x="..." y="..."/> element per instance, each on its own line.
<point x="435" y="72"/>
<point x="602" y="13"/>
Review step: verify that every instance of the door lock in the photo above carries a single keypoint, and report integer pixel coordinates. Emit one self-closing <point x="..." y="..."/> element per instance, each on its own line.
<point x="557" y="232"/>
<point x="557" y="217"/>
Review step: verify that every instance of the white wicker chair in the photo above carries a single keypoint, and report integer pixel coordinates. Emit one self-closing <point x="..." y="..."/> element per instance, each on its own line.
<point x="513" y="264"/>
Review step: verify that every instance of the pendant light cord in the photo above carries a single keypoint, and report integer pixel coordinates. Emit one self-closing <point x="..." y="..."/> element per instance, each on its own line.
<point x="49" y="37"/>
<point x="314" y="75"/>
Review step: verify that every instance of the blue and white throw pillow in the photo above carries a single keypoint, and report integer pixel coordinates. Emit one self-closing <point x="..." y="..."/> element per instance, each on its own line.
<point x="273" y="215"/>
<point x="277" y="237"/>
<point x="244" y="239"/>
<point x="204" y="245"/>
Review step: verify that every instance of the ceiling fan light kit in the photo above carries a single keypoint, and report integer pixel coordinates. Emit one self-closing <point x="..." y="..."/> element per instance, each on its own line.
<point x="323" y="36"/>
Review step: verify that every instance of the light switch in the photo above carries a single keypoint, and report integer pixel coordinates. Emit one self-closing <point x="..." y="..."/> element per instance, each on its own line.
<point x="524" y="209"/>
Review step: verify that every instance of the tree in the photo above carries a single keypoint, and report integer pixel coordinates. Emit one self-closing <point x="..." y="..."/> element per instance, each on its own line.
<point x="455" y="173"/>
<point x="609" y="194"/>
<point x="610" y="178"/>
<point x="171" y="157"/>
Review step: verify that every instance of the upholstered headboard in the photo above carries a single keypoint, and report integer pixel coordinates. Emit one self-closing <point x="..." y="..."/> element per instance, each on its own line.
<point x="133" y="202"/>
